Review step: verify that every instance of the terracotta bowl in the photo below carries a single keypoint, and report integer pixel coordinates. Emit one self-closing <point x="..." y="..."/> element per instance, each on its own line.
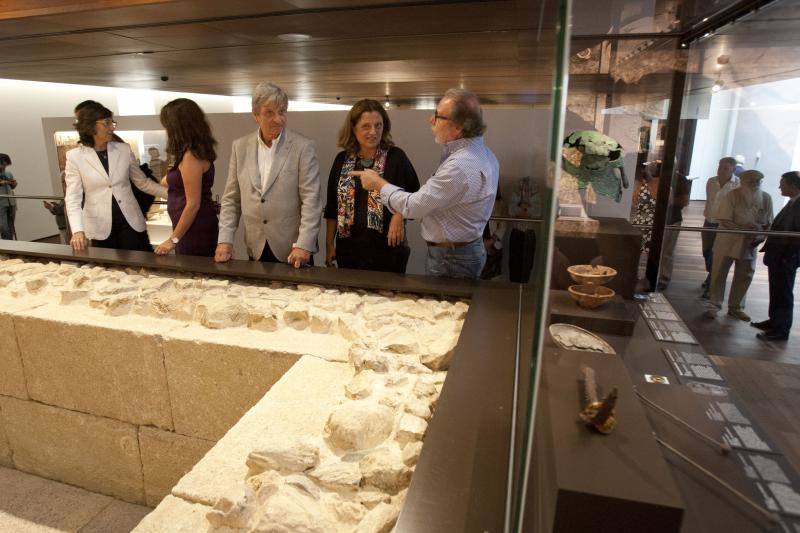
<point x="591" y="275"/>
<point x="590" y="296"/>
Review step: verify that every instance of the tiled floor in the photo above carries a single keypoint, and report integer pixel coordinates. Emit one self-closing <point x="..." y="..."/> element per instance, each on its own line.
<point x="30" y="504"/>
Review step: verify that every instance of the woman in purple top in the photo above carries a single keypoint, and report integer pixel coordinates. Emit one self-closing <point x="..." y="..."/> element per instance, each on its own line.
<point x="191" y="209"/>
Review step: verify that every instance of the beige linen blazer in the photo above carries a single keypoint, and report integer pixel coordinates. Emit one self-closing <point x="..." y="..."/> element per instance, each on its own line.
<point x="288" y="213"/>
<point x="85" y="175"/>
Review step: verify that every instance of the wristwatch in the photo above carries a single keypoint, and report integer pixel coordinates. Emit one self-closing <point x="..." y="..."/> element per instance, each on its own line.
<point x="174" y="240"/>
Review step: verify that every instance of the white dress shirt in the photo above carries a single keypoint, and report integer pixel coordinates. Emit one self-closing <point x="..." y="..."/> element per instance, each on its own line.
<point x="714" y="194"/>
<point x="455" y="203"/>
<point x="266" y="155"/>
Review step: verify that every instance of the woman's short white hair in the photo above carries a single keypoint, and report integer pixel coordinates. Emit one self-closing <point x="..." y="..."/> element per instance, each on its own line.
<point x="269" y="93"/>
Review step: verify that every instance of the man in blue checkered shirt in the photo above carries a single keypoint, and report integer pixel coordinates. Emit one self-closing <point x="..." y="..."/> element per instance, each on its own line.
<point x="456" y="202"/>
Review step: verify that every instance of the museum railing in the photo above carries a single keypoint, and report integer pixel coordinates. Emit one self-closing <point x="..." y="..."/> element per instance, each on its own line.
<point x="765" y="233"/>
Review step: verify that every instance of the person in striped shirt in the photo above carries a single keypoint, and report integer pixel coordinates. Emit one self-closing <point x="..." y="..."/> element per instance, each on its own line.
<point x="456" y="202"/>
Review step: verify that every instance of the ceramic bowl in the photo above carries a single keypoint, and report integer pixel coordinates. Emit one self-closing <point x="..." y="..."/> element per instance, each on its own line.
<point x="591" y="275"/>
<point x="590" y="296"/>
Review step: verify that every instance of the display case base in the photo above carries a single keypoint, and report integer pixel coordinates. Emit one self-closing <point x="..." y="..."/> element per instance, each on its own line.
<point x="586" y="481"/>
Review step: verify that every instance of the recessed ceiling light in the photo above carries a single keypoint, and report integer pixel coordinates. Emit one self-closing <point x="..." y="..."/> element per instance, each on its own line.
<point x="294" y="37"/>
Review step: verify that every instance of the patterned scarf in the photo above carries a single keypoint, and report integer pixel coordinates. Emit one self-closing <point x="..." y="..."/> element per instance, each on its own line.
<point x="346" y="195"/>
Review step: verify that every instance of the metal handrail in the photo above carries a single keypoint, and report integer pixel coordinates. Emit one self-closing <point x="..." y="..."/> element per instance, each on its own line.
<point x="768" y="233"/>
<point x="42" y="197"/>
<point x="791" y="234"/>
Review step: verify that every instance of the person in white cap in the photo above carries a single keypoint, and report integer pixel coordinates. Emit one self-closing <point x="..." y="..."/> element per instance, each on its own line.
<point x="744" y="208"/>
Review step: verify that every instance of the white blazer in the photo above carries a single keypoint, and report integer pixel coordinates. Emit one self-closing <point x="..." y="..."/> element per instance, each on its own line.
<point x="85" y="174"/>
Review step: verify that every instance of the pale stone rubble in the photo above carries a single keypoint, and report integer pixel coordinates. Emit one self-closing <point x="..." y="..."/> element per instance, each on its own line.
<point x="350" y="474"/>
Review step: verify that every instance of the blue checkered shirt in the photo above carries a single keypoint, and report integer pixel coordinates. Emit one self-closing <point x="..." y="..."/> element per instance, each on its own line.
<point x="456" y="202"/>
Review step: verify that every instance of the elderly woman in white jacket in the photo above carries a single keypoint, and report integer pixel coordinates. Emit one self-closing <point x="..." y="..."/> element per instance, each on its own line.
<point x="99" y="175"/>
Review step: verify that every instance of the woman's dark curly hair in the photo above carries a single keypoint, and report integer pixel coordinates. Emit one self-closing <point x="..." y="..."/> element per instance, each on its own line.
<point x="86" y="120"/>
<point x="187" y="129"/>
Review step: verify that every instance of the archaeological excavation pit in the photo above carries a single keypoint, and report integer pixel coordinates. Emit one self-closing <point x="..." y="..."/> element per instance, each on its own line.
<point x="225" y="402"/>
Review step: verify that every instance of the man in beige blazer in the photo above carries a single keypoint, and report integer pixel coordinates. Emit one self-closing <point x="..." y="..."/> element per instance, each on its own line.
<point x="273" y="185"/>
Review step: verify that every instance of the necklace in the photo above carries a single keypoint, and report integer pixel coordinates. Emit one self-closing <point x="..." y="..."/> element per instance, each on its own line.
<point x="365" y="163"/>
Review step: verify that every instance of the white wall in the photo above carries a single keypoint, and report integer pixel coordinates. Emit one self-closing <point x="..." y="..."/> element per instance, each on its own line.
<point x="712" y="141"/>
<point x="761" y="122"/>
<point x="517" y="136"/>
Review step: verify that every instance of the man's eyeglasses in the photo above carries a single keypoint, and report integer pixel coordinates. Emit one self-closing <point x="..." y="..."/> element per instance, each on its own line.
<point x="439" y="117"/>
<point x="108" y="122"/>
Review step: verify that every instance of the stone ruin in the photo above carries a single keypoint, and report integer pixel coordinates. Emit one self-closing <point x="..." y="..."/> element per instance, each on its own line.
<point x="333" y="443"/>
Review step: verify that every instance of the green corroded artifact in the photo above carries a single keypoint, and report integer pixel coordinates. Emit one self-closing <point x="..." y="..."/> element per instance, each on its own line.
<point x="601" y="163"/>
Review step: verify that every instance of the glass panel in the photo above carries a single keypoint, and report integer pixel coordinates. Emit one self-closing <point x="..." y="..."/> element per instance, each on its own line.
<point x="741" y="100"/>
<point x="513" y="56"/>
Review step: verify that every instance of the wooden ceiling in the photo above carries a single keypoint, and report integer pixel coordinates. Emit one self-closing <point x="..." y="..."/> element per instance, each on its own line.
<point x="409" y="50"/>
<point x="406" y="50"/>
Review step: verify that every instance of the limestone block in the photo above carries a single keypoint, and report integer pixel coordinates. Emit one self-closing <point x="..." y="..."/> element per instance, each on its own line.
<point x="418" y="408"/>
<point x="385" y="469"/>
<point x="12" y="376"/>
<point x="262" y="315"/>
<point x="166" y="458"/>
<point x="212" y="382"/>
<point x="70" y="296"/>
<point x="111" y="367"/>
<point x="337" y="475"/>
<point x="30" y="504"/>
<point x="361" y="385"/>
<point x="371" y="498"/>
<point x="439" y="343"/>
<point x="398" y="340"/>
<point x="174" y="515"/>
<point x="98" y="454"/>
<point x="411" y="453"/>
<point x="381" y="519"/>
<point x="218" y="312"/>
<point x="411" y="428"/>
<point x="289" y="507"/>
<point x="424" y="389"/>
<point x="359" y="425"/>
<point x="322" y="321"/>
<point x="221" y="473"/>
<point x="370" y="360"/>
<point x="285" y="456"/>
<point x="118" y="517"/>
<point x="345" y="511"/>
<point x="459" y="310"/>
<point x="296" y="315"/>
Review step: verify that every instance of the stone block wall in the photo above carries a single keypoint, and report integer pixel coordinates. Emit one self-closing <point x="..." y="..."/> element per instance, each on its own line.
<point x="120" y="407"/>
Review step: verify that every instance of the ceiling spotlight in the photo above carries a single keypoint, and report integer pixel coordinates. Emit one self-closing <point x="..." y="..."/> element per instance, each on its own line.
<point x="708" y="34"/>
<point x="717" y="87"/>
<point x="683" y="45"/>
<point x="294" y="37"/>
<point x="705" y="19"/>
<point x="386" y="104"/>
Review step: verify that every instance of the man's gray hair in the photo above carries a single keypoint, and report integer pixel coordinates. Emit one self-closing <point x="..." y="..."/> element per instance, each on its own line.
<point x="467" y="112"/>
<point x="269" y="93"/>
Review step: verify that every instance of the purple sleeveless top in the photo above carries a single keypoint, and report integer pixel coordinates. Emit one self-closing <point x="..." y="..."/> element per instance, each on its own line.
<point x="201" y="239"/>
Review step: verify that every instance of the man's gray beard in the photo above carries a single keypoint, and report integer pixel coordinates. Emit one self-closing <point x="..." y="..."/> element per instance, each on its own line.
<point x="749" y="195"/>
